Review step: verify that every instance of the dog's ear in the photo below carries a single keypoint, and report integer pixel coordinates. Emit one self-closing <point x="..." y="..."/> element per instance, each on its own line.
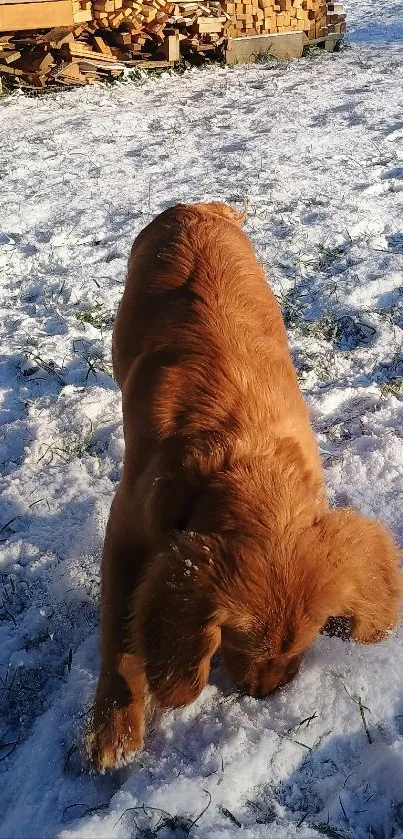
<point x="358" y="573"/>
<point x="176" y="620"/>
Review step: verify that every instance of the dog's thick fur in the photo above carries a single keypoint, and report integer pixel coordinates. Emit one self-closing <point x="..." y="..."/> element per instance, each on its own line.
<point x="220" y="533"/>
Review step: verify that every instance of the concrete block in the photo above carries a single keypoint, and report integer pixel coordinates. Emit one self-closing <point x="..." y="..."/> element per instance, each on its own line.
<point x="281" y="45"/>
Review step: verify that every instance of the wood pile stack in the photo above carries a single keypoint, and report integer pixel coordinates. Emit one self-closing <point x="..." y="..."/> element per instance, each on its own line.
<point x="201" y="27"/>
<point x="107" y="36"/>
<point x="35" y="60"/>
<point x="267" y="17"/>
<point x="120" y="34"/>
<point x="156" y="27"/>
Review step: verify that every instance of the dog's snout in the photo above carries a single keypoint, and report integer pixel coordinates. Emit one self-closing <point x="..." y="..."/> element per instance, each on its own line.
<point x="264" y="679"/>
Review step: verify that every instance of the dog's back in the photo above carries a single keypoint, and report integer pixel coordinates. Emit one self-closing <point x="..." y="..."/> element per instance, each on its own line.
<point x="200" y="349"/>
<point x="181" y="264"/>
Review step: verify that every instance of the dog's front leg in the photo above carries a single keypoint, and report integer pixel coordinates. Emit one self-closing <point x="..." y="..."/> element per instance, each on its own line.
<point x="117" y="726"/>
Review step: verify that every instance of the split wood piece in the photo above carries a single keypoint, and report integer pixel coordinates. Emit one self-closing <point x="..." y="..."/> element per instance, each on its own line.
<point x="101" y="46"/>
<point x="82" y="16"/>
<point x="104" y="6"/>
<point x="70" y="74"/>
<point x="9" y="56"/>
<point x="57" y="37"/>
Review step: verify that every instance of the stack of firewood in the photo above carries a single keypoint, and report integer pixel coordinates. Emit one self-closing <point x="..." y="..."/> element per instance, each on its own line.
<point x="108" y="36"/>
<point x="200" y="26"/>
<point x="56" y="57"/>
<point x="316" y="18"/>
<point x="121" y="35"/>
<point x="157" y="27"/>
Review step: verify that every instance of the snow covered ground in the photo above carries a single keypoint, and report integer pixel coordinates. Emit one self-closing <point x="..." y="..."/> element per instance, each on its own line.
<point x="316" y="146"/>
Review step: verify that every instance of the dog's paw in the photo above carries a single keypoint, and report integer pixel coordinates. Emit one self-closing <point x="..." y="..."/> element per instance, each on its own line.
<point x="114" y="738"/>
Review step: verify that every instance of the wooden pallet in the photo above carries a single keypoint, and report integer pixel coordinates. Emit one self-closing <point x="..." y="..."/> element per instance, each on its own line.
<point x="330" y="42"/>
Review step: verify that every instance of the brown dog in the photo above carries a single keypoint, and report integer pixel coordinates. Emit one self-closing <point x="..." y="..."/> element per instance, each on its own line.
<point x="220" y="533"/>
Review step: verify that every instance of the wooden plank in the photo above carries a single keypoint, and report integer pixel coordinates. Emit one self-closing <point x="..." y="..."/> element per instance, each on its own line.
<point x="46" y="15"/>
<point x="322" y="40"/>
<point x="205" y="25"/>
<point x="149" y="65"/>
<point x="78" y="51"/>
<point x="88" y="65"/>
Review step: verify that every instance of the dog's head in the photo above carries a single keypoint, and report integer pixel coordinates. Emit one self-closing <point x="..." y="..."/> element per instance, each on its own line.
<point x="341" y="565"/>
<point x="264" y="653"/>
<point x="263" y="606"/>
<point x="270" y="621"/>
